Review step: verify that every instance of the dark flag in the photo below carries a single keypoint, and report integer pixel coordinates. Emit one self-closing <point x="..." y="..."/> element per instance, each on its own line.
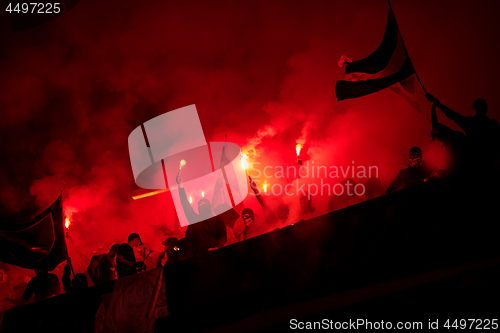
<point x="219" y="200"/>
<point x="38" y="244"/>
<point x="387" y="65"/>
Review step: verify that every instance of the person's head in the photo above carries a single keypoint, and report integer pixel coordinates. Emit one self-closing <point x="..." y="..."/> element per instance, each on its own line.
<point x="169" y="243"/>
<point x="415" y="156"/>
<point x="80" y="281"/>
<point x="247" y="216"/>
<point x="348" y="185"/>
<point x="183" y="248"/>
<point x="204" y="208"/>
<point x="373" y="187"/>
<point x="480" y="107"/>
<point x="134" y="240"/>
<point x="283" y="211"/>
<point x="172" y="241"/>
<point x="114" y="250"/>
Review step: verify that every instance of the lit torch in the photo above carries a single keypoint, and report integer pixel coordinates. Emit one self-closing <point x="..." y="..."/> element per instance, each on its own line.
<point x="297" y="149"/>
<point x="264" y="187"/>
<point x="202" y="194"/>
<point x="181" y="164"/>
<point x="190" y="199"/>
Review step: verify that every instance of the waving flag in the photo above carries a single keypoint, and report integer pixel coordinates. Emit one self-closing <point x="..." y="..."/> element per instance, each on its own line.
<point x="387" y="65"/>
<point x="37" y="244"/>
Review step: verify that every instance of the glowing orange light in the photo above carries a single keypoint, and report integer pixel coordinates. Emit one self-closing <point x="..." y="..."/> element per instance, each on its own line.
<point x="190" y="199"/>
<point x="244" y="162"/>
<point x="202" y="194"/>
<point x="67" y="223"/>
<point x="265" y="187"/>
<point x="183" y="163"/>
<point x="297" y="148"/>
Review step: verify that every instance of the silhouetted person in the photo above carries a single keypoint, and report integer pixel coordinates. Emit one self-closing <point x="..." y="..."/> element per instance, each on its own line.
<point x="43" y="285"/>
<point x="454" y="143"/>
<point x="272" y="218"/>
<point x="373" y="188"/>
<point x="252" y="228"/>
<point x="207" y="234"/>
<point x="482" y="133"/>
<point x="417" y="172"/>
<point x="92" y="278"/>
<point x="103" y="267"/>
<point x="125" y="259"/>
<point x="306" y="208"/>
<point x="79" y="281"/>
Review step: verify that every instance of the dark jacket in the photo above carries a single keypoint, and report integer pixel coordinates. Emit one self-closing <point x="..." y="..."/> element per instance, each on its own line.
<point x="205" y="234"/>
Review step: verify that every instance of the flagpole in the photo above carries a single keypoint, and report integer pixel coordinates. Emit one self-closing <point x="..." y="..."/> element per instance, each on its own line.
<point x="66" y="243"/>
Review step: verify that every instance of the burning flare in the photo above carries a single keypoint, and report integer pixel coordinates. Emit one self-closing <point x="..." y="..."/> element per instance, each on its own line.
<point x="202" y="194"/>
<point x="148" y="194"/>
<point x="264" y="187"/>
<point x="190" y="199"/>
<point x="67" y="223"/>
<point x="183" y="163"/>
<point x="297" y="149"/>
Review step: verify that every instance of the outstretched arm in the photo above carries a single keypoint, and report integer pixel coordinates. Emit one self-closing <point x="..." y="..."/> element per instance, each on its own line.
<point x="186" y="206"/>
<point x="453" y="115"/>
<point x="256" y="191"/>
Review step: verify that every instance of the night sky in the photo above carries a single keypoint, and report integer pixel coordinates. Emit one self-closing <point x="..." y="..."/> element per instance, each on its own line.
<point x="262" y="72"/>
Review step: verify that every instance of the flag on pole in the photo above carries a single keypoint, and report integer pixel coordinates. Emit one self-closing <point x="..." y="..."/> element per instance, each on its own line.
<point x="223" y="195"/>
<point x="37" y="244"/>
<point x="133" y="302"/>
<point x="386" y="66"/>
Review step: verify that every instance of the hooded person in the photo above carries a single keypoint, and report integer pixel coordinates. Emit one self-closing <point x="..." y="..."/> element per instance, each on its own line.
<point x="103" y="267"/>
<point x="344" y="197"/>
<point x="210" y="232"/>
<point x="482" y="133"/>
<point x="415" y="173"/>
<point x="454" y="144"/>
<point x="373" y="188"/>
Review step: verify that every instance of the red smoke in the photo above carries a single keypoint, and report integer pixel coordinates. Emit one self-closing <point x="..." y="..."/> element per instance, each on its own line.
<point x="263" y="73"/>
